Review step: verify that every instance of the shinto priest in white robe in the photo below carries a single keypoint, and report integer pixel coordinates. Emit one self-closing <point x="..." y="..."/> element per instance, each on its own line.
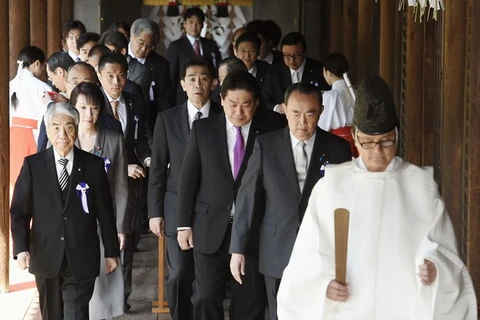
<point x="397" y="219"/>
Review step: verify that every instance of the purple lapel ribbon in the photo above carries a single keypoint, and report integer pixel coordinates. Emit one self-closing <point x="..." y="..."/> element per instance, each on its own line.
<point x="82" y="191"/>
<point x="107" y="163"/>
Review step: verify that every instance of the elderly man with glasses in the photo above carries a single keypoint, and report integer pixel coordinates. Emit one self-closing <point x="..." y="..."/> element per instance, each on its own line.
<point x="296" y="67"/>
<point x="402" y="258"/>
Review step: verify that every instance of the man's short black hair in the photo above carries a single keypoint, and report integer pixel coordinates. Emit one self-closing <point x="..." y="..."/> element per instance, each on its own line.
<point x="233" y="64"/>
<point x="86" y="38"/>
<point x="196" y="61"/>
<point x="240" y="80"/>
<point x="336" y="63"/>
<point x="294" y="38"/>
<point x="194" y="11"/>
<point x="114" y="38"/>
<point x="98" y="50"/>
<point x="114" y="58"/>
<point x="119" y="24"/>
<point x="59" y="60"/>
<point x="273" y="31"/>
<point x="72" y="25"/>
<point x="303" y="88"/>
<point x="248" y="37"/>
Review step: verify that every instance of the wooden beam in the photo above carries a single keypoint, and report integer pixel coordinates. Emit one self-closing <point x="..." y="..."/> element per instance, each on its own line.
<point x="387" y="42"/>
<point x="4" y="151"/>
<point x="453" y="112"/>
<point x="38" y="24"/>
<point x="365" y="32"/>
<point x="54" y="26"/>
<point x="19" y="16"/>
<point x="350" y="21"/>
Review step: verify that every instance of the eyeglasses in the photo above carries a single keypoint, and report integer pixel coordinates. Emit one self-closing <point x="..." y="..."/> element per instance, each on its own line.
<point x="292" y="56"/>
<point x="373" y="144"/>
<point x="143" y="44"/>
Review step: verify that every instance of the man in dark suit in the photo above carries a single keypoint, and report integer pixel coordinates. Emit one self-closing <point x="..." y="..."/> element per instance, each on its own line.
<point x="169" y="143"/>
<point x="62" y="193"/>
<point x="144" y="37"/>
<point x="190" y="45"/>
<point x="215" y="160"/>
<point x="281" y="173"/>
<point x="296" y="67"/>
<point x="128" y="109"/>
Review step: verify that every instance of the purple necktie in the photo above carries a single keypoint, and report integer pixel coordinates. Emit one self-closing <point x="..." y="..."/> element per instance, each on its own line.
<point x="238" y="152"/>
<point x="196" y="47"/>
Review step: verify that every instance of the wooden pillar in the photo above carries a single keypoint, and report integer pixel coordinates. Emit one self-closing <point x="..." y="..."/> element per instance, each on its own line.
<point x="67" y="11"/>
<point x="335" y="26"/>
<point x="387" y="42"/>
<point x="38" y="24"/>
<point x="364" y="44"/>
<point x="453" y="112"/>
<point x="350" y="21"/>
<point x="19" y="17"/>
<point x="54" y="26"/>
<point x="413" y="95"/>
<point x="472" y="145"/>
<point x="4" y="151"/>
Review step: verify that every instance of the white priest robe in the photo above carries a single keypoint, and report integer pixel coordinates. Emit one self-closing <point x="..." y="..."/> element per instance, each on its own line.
<point x="397" y="219"/>
<point x="338" y="107"/>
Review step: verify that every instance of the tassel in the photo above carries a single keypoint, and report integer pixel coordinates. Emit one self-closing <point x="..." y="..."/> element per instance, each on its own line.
<point x="172" y="10"/>
<point x="222" y="9"/>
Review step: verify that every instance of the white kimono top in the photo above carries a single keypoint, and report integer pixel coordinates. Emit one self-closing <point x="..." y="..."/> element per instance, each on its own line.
<point x="397" y="219"/>
<point x="338" y="107"/>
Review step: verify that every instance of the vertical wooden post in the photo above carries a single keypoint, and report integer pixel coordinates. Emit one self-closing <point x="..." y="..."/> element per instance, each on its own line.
<point x="335" y="26"/>
<point x="161" y="305"/>
<point x="387" y="42"/>
<point x="67" y="11"/>
<point x="453" y="112"/>
<point x="364" y="47"/>
<point x="414" y="81"/>
<point x="19" y="17"/>
<point x="54" y="26"/>
<point x="350" y="22"/>
<point x="4" y="150"/>
<point x="38" y="24"/>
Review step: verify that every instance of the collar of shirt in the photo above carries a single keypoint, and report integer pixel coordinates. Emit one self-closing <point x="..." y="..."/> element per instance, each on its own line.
<point x="73" y="56"/>
<point x="268" y="58"/>
<point x="391" y="166"/>
<point x="130" y="53"/>
<point x="310" y="142"/>
<point x="58" y="166"/>
<point x="192" y="39"/>
<point x="121" y="110"/>
<point x="192" y="111"/>
<point x="110" y="99"/>
<point x="300" y="70"/>
<point x="253" y="71"/>
<point x="245" y="128"/>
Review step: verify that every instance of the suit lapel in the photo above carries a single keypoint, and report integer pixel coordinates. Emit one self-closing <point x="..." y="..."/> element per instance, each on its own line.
<point x="52" y="176"/>
<point x="286" y="77"/>
<point x="220" y="138"/>
<point x="252" y="135"/>
<point x="317" y="159"/>
<point x="187" y="46"/>
<point x="75" y="176"/>
<point x="108" y="107"/>
<point x="128" y="100"/>
<point x="307" y="75"/>
<point x="100" y="142"/>
<point x="285" y="156"/>
<point x="182" y="122"/>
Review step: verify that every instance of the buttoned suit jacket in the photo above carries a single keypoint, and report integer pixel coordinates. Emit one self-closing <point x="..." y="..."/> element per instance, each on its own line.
<point x="279" y="78"/>
<point x="206" y="187"/>
<point x="169" y="143"/>
<point x="270" y="200"/>
<point x="59" y="227"/>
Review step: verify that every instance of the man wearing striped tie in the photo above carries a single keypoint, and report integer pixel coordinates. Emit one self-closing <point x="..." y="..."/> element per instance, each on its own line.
<point x="60" y="196"/>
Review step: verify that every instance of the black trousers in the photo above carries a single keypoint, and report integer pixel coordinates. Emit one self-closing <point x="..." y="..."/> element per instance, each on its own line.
<point x="272" y="285"/>
<point x="64" y="296"/>
<point x="212" y="272"/>
<point x="179" y="279"/>
<point x="133" y="208"/>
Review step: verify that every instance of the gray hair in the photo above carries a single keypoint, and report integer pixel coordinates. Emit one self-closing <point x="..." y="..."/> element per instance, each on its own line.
<point x="145" y="25"/>
<point x="60" y="108"/>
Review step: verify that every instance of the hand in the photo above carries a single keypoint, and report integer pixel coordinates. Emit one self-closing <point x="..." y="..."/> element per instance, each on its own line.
<point x="337" y="291"/>
<point x="282" y="108"/>
<point x="23" y="260"/>
<point x="427" y="272"/>
<point x="122" y="238"/>
<point x="135" y="171"/>
<point x="237" y="266"/>
<point x="157" y="225"/>
<point x="110" y="264"/>
<point x="185" y="239"/>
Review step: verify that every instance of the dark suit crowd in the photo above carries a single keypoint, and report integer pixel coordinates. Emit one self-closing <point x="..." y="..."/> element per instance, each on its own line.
<point x="221" y="158"/>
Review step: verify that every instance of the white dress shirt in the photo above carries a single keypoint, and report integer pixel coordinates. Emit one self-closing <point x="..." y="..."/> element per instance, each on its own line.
<point x="73" y="56"/>
<point x="308" y="147"/>
<point x="192" y="111"/>
<point x="253" y="71"/>
<point x="338" y="106"/>
<point x="130" y="52"/>
<point x="192" y="41"/>
<point x="59" y="167"/>
<point x="300" y="75"/>
<point x="121" y="111"/>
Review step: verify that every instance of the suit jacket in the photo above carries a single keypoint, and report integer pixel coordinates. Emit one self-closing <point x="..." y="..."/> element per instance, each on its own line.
<point x="169" y="143"/>
<point x="262" y="68"/>
<point x="136" y="142"/>
<point x="141" y="75"/>
<point x="270" y="201"/>
<point x="279" y="78"/>
<point x="164" y="97"/>
<point x="179" y="51"/>
<point x="206" y="187"/>
<point x="60" y="228"/>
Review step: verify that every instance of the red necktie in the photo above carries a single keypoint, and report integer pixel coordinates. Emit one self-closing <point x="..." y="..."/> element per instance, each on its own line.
<point x="196" y="47"/>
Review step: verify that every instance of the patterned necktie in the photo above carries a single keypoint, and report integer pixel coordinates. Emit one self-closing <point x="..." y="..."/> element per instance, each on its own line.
<point x="301" y="164"/>
<point x="238" y="152"/>
<point x="63" y="179"/>
<point x="114" y="104"/>
<point x="196" y="47"/>
<point x="198" y="115"/>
